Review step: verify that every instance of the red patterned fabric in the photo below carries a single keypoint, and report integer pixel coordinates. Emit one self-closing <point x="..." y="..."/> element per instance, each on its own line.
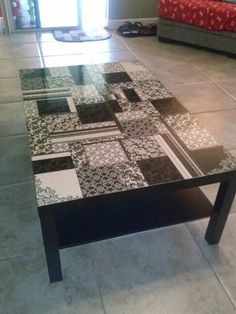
<point x="210" y="14"/>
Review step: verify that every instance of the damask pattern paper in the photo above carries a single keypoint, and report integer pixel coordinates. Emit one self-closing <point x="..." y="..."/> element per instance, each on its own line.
<point x="107" y="128"/>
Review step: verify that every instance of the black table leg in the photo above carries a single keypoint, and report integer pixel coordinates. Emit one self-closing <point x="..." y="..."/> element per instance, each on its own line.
<point x="221" y="209"/>
<point x="49" y="232"/>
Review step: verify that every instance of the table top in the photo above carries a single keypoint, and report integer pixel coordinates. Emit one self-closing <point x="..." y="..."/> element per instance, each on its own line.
<point x="105" y="128"/>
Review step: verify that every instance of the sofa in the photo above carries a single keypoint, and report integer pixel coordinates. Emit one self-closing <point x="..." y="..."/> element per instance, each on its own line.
<point x="205" y="23"/>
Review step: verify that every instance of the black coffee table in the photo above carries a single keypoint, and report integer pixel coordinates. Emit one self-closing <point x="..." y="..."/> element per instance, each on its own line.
<point x="113" y="153"/>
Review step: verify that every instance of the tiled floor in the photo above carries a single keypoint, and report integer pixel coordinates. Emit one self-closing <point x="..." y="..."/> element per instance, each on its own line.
<point x="164" y="271"/>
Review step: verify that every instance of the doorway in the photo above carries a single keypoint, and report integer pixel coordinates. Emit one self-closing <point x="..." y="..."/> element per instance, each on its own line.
<point x="52" y="14"/>
<point x="1" y="20"/>
<point x="4" y="25"/>
<point x="94" y="14"/>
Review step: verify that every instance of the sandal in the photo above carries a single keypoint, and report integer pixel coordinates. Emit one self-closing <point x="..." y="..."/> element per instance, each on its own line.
<point x="148" y="30"/>
<point x="128" y="30"/>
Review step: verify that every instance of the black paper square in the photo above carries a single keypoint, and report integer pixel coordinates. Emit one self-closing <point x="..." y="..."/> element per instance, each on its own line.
<point x="35" y="73"/>
<point x="53" y="164"/>
<point x="169" y="106"/>
<point x="92" y="113"/>
<point x="114" y="105"/>
<point x="131" y="94"/>
<point x="53" y="106"/>
<point x="117" y="77"/>
<point x="159" y="170"/>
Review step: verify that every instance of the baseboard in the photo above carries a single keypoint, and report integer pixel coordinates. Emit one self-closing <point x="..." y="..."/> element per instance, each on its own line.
<point x="114" y="24"/>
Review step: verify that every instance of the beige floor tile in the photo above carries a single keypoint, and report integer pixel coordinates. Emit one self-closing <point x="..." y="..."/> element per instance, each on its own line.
<point x="55" y="61"/>
<point x="58" y="48"/>
<point x="15" y="163"/>
<point x="215" y="66"/>
<point x="10" y="67"/>
<point x="18" y="38"/>
<point x="203" y="97"/>
<point x="161" y="271"/>
<point x="81" y="291"/>
<point x="61" y="48"/>
<point x="12" y="120"/>
<point x="19" y="50"/>
<point x="25" y="288"/>
<point x="28" y="63"/>
<point x="10" y="90"/>
<point x="195" y="54"/>
<point x="45" y="37"/>
<point x="150" y="49"/>
<point x="221" y="257"/>
<point x="218" y="68"/>
<point x="221" y="125"/>
<point x="112" y="57"/>
<point x="20" y="232"/>
<point x="108" y="45"/>
<point x="145" y="43"/>
<point x="229" y="87"/>
<point x="172" y="73"/>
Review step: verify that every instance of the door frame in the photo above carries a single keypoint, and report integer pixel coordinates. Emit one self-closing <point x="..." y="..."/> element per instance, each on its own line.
<point x="9" y="25"/>
<point x="7" y="16"/>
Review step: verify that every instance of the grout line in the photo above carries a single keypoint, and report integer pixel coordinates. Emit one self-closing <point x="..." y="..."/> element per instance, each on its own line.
<point x="96" y="280"/>
<point x="193" y="83"/>
<point x="41" y="54"/>
<point x="14" y="136"/>
<point x="12" y="103"/>
<point x="18" y="43"/>
<point x="67" y="55"/>
<point x="16" y="184"/>
<point x="213" y="271"/>
<point x="225" y="91"/>
<point x="10" y="77"/>
<point x="128" y="48"/>
<point x="212" y="111"/>
<point x="226" y="80"/>
<point x="19" y="256"/>
<point x="86" y="53"/>
<point x="214" y="83"/>
<point x="19" y="58"/>
<point x="37" y="36"/>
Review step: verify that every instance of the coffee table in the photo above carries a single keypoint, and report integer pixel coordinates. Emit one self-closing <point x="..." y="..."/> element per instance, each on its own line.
<point x="114" y="152"/>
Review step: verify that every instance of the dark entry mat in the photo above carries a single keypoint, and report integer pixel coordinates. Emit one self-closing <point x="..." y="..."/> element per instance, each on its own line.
<point x="77" y="35"/>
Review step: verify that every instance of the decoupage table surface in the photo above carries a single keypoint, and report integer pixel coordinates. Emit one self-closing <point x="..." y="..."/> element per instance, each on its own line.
<point x="101" y="129"/>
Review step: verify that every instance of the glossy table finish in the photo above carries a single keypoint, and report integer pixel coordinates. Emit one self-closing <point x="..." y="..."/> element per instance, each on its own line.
<point x="110" y="141"/>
